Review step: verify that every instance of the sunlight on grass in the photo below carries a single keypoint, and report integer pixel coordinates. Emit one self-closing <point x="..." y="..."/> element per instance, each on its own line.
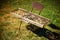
<point x="9" y="25"/>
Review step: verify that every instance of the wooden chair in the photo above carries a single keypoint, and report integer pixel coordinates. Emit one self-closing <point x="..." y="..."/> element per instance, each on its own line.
<point x="38" y="6"/>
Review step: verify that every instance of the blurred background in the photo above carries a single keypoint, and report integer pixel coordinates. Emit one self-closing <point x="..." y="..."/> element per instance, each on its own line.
<point x="10" y="28"/>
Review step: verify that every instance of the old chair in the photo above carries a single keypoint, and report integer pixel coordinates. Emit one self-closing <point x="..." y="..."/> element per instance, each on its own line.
<point x="38" y="6"/>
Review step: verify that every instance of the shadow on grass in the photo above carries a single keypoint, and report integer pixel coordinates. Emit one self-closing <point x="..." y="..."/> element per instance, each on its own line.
<point x="54" y="26"/>
<point x="43" y="32"/>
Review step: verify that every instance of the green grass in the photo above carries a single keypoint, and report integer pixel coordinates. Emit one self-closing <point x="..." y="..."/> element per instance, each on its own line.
<point x="51" y="10"/>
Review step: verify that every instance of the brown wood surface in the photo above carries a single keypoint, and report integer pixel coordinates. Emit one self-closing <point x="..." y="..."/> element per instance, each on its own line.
<point x="31" y="18"/>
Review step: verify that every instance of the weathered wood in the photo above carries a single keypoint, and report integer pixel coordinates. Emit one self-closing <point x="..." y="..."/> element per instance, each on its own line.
<point x="31" y="18"/>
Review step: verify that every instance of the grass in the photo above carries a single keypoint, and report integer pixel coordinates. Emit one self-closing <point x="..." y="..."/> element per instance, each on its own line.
<point x="11" y="29"/>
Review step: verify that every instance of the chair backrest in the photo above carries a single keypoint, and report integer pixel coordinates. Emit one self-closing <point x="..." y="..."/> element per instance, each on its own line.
<point x="38" y="6"/>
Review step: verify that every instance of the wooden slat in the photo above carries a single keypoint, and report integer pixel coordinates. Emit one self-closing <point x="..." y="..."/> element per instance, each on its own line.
<point x="31" y="18"/>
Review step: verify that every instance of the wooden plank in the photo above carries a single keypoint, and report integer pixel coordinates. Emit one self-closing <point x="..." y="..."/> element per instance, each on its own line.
<point x="31" y="18"/>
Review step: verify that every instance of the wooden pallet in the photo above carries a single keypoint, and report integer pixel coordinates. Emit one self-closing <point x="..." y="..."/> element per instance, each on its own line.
<point x="30" y="17"/>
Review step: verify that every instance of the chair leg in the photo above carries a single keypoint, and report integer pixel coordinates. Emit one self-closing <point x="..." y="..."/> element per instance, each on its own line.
<point x="20" y="29"/>
<point x="32" y="10"/>
<point x="20" y="24"/>
<point x="39" y="12"/>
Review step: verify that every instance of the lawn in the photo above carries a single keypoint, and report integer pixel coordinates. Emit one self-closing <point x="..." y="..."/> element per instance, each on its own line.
<point x="9" y="25"/>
